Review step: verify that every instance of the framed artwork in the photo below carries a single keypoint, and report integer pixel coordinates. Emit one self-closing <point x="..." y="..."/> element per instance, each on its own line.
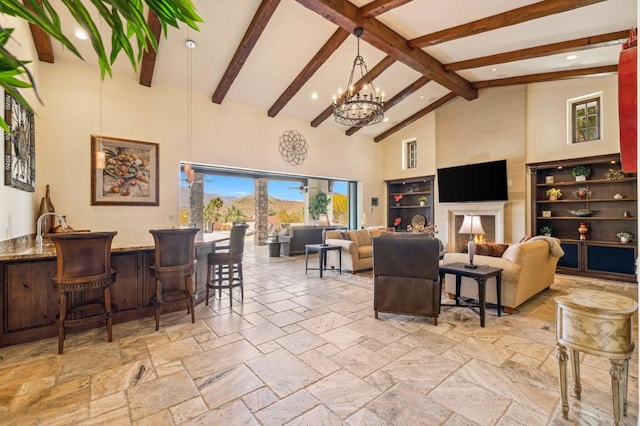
<point x="124" y="172"/>
<point x="19" y="146"/>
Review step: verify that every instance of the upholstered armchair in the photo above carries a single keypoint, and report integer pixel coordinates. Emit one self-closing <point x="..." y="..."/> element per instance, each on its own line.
<point x="405" y="270"/>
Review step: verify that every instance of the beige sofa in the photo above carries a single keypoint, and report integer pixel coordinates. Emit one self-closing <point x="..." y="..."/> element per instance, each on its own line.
<point x="528" y="268"/>
<point x="357" y="249"/>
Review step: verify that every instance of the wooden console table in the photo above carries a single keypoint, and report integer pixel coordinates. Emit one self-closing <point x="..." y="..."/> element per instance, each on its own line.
<point x="596" y="323"/>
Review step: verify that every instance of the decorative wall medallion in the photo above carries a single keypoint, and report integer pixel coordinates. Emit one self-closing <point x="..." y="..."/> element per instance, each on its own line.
<point x="293" y="147"/>
<point x="19" y="146"/>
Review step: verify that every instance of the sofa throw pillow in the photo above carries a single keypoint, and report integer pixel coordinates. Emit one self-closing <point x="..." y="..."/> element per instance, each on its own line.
<point x="493" y="250"/>
<point x="344" y="235"/>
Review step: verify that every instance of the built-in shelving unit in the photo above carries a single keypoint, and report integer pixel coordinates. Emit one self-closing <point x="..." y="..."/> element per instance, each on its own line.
<point x="602" y="254"/>
<point x="408" y="208"/>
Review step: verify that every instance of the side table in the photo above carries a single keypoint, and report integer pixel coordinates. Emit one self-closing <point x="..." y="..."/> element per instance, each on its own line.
<point x="480" y="274"/>
<point x="596" y="323"/>
<point x="322" y="250"/>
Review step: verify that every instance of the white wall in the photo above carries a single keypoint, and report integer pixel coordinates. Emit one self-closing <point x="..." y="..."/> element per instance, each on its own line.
<point x="492" y="127"/>
<point x="547" y="118"/>
<point x="228" y="134"/>
<point x="424" y="132"/>
<point x="18" y="209"/>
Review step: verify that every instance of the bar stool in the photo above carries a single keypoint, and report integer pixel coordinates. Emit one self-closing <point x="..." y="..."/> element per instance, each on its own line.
<point x="227" y="265"/>
<point x="83" y="263"/>
<point x="174" y="257"/>
<point x="596" y="323"/>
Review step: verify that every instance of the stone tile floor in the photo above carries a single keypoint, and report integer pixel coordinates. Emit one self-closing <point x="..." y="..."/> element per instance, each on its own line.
<point x="301" y="350"/>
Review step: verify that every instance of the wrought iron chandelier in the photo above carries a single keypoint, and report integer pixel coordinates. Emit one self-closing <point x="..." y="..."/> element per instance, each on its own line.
<point x="359" y="107"/>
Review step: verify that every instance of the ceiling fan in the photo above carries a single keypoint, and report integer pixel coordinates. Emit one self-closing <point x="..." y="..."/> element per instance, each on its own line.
<point x="303" y="188"/>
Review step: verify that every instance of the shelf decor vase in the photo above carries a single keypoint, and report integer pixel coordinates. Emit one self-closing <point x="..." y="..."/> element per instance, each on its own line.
<point x="583" y="230"/>
<point x="553" y="198"/>
<point x="46" y="206"/>
<point x="422" y="203"/>
<point x="624" y="240"/>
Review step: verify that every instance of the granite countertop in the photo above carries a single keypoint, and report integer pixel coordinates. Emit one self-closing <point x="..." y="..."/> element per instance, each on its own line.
<point x="28" y="251"/>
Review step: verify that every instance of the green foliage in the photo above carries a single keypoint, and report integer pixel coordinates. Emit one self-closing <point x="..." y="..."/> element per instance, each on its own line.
<point x="233" y="214"/>
<point x="293" y="216"/>
<point x="271" y="212"/>
<point x="319" y="205"/>
<point x="211" y="212"/>
<point x="124" y="18"/>
<point x="581" y="171"/>
<point x="546" y="230"/>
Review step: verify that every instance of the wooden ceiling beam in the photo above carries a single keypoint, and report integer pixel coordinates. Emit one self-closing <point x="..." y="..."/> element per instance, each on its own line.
<point x="371" y="75"/>
<point x="548" y="76"/>
<point x="258" y="24"/>
<point x="307" y="72"/>
<point x="437" y="104"/>
<point x="149" y="57"/>
<point x="346" y="15"/>
<point x="501" y="20"/>
<point x="41" y="39"/>
<point x="401" y="95"/>
<point x="378" y="7"/>
<point x="574" y="45"/>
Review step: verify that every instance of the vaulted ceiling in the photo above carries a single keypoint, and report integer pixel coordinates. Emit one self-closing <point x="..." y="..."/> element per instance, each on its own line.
<point x="291" y="56"/>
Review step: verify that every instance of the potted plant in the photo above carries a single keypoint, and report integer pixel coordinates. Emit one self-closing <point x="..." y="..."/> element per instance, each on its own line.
<point x="625" y="237"/>
<point x="615" y="174"/>
<point x="423" y="201"/>
<point x="554" y="194"/>
<point x="581" y="173"/>
<point x="318" y="205"/>
<point x="546" y="231"/>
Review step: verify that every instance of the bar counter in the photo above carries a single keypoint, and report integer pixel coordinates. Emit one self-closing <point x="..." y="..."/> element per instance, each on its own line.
<point x="29" y="303"/>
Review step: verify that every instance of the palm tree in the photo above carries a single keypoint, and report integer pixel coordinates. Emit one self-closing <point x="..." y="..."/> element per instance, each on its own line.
<point x="233" y="214"/>
<point x="124" y="18"/>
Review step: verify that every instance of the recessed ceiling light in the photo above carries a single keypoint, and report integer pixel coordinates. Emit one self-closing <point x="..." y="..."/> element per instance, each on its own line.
<point x="81" y="34"/>
<point x="572" y="57"/>
<point x="314" y="95"/>
<point x="190" y="44"/>
<point x="613" y="161"/>
<point x="421" y="96"/>
<point x="494" y="69"/>
<point x="386" y="119"/>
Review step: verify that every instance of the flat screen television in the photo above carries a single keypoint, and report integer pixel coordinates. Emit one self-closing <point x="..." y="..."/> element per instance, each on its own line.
<point x="473" y="182"/>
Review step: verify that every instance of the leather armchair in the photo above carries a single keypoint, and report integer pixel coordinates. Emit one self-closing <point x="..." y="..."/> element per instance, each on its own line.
<point x="405" y="269"/>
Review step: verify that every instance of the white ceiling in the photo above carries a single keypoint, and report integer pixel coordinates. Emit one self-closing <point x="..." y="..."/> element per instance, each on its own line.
<point x="294" y="34"/>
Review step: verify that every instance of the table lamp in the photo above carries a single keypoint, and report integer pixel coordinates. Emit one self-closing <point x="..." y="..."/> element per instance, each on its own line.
<point x="471" y="225"/>
<point x="323" y="220"/>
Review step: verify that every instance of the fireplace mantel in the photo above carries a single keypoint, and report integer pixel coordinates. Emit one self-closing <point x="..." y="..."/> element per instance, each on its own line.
<point x="492" y="208"/>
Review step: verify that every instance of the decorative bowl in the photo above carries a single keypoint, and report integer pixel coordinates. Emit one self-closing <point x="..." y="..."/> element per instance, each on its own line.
<point x="582" y="212"/>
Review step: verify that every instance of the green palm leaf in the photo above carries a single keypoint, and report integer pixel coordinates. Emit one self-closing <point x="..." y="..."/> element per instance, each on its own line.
<point x="124" y="18"/>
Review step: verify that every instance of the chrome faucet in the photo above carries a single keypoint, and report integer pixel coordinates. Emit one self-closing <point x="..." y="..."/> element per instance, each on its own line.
<point x="63" y="223"/>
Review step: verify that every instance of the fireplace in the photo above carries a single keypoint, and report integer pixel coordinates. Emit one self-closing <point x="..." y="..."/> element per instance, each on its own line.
<point x="491" y="215"/>
<point x="489" y="226"/>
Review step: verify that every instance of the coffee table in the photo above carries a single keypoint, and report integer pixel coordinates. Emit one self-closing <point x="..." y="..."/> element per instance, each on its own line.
<point x="480" y="274"/>
<point x="322" y="250"/>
